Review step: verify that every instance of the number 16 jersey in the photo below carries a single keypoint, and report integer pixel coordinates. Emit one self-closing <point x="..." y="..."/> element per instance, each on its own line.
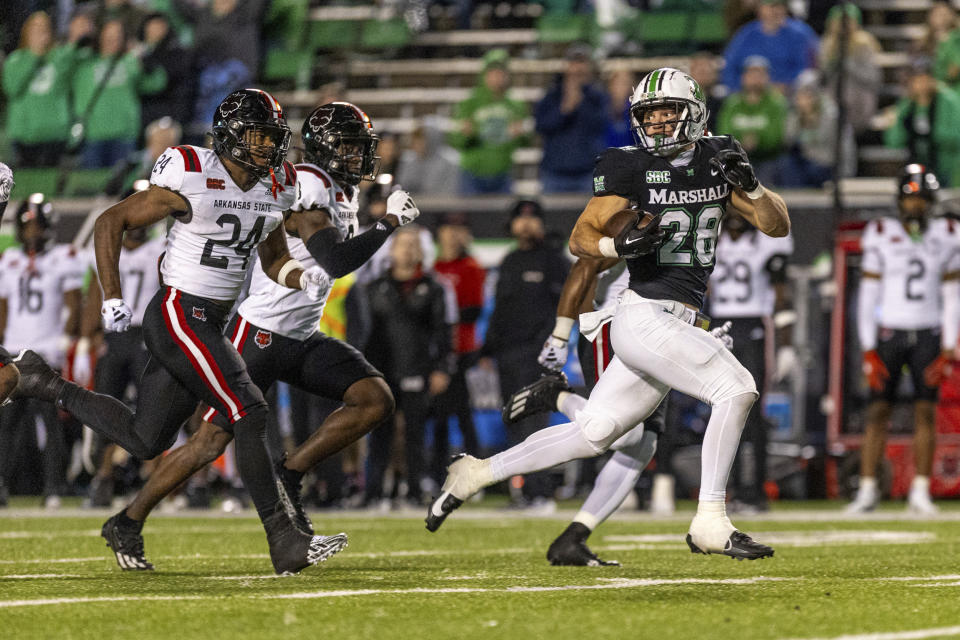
<point x="209" y="248"/>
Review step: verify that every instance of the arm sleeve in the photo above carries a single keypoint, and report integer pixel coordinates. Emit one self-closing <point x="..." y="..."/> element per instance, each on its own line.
<point x="950" y="293"/>
<point x="613" y="175"/>
<point x="867" y="312"/>
<point x="168" y="170"/>
<point x="340" y="257"/>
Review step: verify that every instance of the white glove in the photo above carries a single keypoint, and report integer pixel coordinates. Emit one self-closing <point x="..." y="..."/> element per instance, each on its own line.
<point x="315" y="283"/>
<point x="722" y="334"/>
<point x="6" y="182"/>
<point x="116" y="315"/>
<point x="401" y="205"/>
<point x="82" y="366"/>
<point x="554" y="353"/>
<point x="786" y="362"/>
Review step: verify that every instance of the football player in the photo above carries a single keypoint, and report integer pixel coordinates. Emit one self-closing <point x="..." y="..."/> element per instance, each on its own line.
<point x="9" y="375"/>
<point x="226" y="203"/>
<point x="686" y="180"/>
<point x="275" y="327"/>
<point x="908" y="314"/>
<point x="38" y="279"/>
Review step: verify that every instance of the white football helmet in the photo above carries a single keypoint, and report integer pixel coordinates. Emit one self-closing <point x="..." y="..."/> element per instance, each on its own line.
<point x="666" y="87"/>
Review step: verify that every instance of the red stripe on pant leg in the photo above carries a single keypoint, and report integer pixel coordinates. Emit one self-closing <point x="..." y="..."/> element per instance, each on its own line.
<point x="174" y="297"/>
<point x="607" y="352"/>
<point x="211" y="412"/>
<point x="208" y="357"/>
<point x="597" y="356"/>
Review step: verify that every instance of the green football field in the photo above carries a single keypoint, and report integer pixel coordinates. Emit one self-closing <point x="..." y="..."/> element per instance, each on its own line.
<point x="483" y="575"/>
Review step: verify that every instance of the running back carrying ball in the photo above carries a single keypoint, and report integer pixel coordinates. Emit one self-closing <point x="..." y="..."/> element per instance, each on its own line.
<point x="631" y="233"/>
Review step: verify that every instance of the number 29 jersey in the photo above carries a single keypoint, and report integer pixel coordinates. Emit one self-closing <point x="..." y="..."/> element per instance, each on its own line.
<point x="692" y="199"/>
<point x="910" y="271"/>
<point x="209" y="248"/>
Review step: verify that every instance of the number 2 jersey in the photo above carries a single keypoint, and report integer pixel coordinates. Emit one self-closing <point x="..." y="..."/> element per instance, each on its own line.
<point x="747" y="268"/>
<point x="692" y="199"/>
<point x="33" y="287"/>
<point x="289" y="312"/>
<point x="211" y="246"/>
<point x="910" y="271"/>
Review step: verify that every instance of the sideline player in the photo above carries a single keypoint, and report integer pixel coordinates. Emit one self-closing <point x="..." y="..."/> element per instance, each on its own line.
<point x="226" y="203"/>
<point x="275" y="328"/>
<point x="685" y="179"/>
<point x="911" y="271"/>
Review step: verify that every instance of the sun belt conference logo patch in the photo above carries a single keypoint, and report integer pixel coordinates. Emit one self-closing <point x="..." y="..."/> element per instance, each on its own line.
<point x="658" y="177"/>
<point x="598" y="183"/>
<point x="263" y="338"/>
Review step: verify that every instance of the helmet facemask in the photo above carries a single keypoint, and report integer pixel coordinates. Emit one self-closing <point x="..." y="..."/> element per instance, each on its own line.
<point x="653" y="133"/>
<point x="259" y="147"/>
<point x="352" y="158"/>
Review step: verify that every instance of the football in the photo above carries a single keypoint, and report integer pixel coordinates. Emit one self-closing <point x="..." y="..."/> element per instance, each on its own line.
<point x="619" y="221"/>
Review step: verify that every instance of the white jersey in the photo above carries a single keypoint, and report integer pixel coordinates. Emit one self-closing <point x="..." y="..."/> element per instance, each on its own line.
<point x="33" y="288"/>
<point x="741" y="286"/>
<point x="289" y="312"/>
<point x="210" y="248"/>
<point x="910" y="271"/>
<point x="139" y="276"/>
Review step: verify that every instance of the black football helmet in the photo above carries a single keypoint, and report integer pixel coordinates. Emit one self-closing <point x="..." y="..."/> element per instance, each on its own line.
<point x="35" y="208"/>
<point x="339" y="138"/>
<point x="239" y="118"/>
<point x="917" y="191"/>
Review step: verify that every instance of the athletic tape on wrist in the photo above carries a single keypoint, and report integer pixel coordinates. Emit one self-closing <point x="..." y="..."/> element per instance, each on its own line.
<point x="290" y="265"/>
<point x="757" y="193"/>
<point x="607" y="247"/>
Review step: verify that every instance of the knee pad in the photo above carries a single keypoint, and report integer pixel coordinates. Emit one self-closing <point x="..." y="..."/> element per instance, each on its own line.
<point x="598" y="430"/>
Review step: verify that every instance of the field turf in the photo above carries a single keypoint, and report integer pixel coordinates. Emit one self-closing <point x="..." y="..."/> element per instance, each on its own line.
<point x="484" y="575"/>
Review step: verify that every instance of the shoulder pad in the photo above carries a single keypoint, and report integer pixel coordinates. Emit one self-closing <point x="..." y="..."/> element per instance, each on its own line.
<point x="313" y="189"/>
<point x="169" y="169"/>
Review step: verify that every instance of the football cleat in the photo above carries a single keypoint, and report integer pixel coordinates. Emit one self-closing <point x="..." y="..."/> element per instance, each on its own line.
<point x="37" y="378"/>
<point x="288" y="485"/>
<point x="292" y="550"/>
<point x="865" y="501"/>
<point x="570" y="550"/>
<point x="465" y="476"/>
<point x="126" y="544"/>
<point x="739" y="545"/>
<point x="919" y="503"/>
<point x="536" y="397"/>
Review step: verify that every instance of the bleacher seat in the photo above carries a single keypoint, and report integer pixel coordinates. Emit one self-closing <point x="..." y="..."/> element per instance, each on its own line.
<point x="667" y="31"/>
<point x="334" y="34"/>
<point x="385" y="34"/>
<point x="293" y="66"/>
<point x="558" y="28"/>
<point x="709" y="28"/>
<point x="86" y="182"/>
<point x="35" y="181"/>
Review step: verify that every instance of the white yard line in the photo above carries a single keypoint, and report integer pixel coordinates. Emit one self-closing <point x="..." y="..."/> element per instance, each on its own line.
<point x="804" y="538"/>
<point x="39" y="576"/>
<point x="915" y="634"/>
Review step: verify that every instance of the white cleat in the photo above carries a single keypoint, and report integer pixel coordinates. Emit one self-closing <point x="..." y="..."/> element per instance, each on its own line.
<point x="466" y="476"/>
<point x="661" y="496"/>
<point x="919" y="503"/>
<point x="865" y="501"/>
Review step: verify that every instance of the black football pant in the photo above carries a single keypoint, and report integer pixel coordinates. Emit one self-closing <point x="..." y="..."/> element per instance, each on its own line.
<point x="455" y="401"/>
<point x="190" y="361"/>
<point x="28" y="425"/>
<point x="415" y="406"/>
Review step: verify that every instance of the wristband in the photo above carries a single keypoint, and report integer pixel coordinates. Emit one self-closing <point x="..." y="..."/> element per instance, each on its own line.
<point x="285" y="270"/>
<point x="757" y="193"/>
<point x="607" y="247"/>
<point x="561" y="330"/>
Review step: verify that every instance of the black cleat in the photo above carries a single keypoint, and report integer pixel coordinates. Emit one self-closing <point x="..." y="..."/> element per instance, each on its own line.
<point x="570" y="550"/>
<point x="37" y="378"/>
<point x="739" y="546"/>
<point x="292" y="550"/>
<point x="288" y="485"/>
<point x="439" y="510"/>
<point x="126" y="544"/>
<point x="536" y="397"/>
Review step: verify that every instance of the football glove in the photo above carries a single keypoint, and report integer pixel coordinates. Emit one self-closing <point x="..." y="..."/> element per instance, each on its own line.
<point x="632" y="242"/>
<point x="875" y="371"/>
<point x="938" y="370"/>
<point x="554" y="353"/>
<point x="722" y="333"/>
<point x="116" y="315"/>
<point x="734" y="166"/>
<point x="401" y="205"/>
<point x="315" y="283"/>
<point x="82" y="367"/>
<point x="786" y="362"/>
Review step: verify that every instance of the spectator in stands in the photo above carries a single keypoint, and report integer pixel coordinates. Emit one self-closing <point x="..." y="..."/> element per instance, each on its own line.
<point x="941" y="20"/>
<point x="812" y="131"/>
<point x="428" y="165"/>
<point x="705" y="69"/>
<point x="947" y="68"/>
<point x="572" y="119"/>
<point x="790" y="46"/>
<point x="159" y="134"/>
<point x="125" y="11"/>
<point x="466" y="277"/>
<point x="528" y="290"/>
<point x="620" y="90"/>
<point x="927" y="124"/>
<point x="488" y="129"/>
<point x="36" y="82"/>
<point x="161" y="49"/>
<point x="862" y="67"/>
<point x="106" y="92"/>
<point x="411" y="346"/>
<point x="756" y="116"/>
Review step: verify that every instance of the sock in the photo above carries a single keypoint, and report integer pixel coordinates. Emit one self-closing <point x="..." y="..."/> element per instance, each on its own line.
<point x="569" y="403"/>
<point x="254" y="463"/>
<point x="920" y="484"/>
<point x="712" y="508"/>
<point x="104" y="414"/>
<point x="614" y="483"/>
<point x="720" y="443"/>
<point x="868" y="485"/>
<point x="127" y="522"/>
<point x="544" y="449"/>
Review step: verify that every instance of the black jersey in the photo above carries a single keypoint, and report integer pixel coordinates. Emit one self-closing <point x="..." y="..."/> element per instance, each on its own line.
<point x="692" y="199"/>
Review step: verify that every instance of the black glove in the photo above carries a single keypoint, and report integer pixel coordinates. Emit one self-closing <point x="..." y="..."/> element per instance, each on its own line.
<point x="735" y="167"/>
<point x="633" y="242"/>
